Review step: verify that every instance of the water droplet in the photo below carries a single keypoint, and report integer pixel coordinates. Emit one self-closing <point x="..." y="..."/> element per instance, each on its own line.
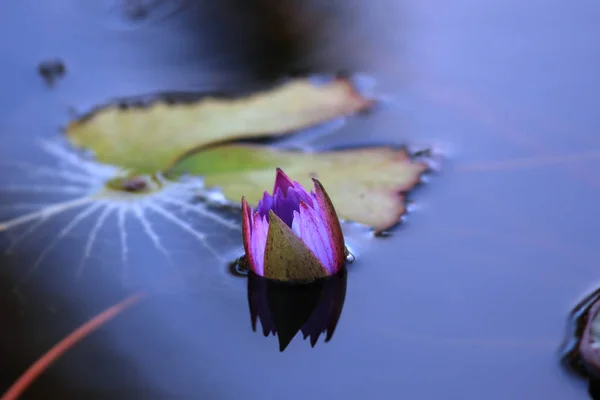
<point x="349" y="256"/>
<point x="239" y="267"/>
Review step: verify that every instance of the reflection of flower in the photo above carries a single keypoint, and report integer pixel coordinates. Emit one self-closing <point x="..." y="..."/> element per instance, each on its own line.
<point x="294" y="235"/>
<point x="284" y="308"/>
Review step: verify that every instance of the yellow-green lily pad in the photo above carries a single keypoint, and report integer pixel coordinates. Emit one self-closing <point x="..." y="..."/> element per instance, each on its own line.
<point x="366" y="185"/>
<point x="150" y="138"/>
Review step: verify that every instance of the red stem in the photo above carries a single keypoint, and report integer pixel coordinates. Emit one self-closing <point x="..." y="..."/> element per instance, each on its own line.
<point x="37" y="368"/>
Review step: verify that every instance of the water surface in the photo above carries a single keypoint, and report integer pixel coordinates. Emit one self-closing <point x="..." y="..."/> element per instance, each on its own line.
<point x="468" y="299"/>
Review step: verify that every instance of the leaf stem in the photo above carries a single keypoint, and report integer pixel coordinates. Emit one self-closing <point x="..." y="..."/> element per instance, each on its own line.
<point x="42" y="364"/>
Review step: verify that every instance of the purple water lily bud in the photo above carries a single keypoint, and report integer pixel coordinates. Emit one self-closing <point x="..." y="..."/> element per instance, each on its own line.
<point x="284" y="309"/>
<point x="294" y="235"/>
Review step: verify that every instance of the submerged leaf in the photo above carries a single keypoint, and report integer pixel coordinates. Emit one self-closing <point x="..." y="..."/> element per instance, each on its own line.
<point x="365" y="185"/>
<point x="151" y="138"/>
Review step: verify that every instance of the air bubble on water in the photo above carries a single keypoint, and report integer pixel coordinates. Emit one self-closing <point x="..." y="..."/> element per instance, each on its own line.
<point x="350" y="258"/>
<point x="239" y="267"/>
<point x="412" y="207"/>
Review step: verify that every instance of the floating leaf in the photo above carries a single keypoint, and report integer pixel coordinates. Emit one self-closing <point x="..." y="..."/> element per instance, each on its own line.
<point x="150" y="138"/>
<point x="365" y="185"/>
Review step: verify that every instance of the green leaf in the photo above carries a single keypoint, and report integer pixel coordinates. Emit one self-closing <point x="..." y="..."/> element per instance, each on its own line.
<point x="151" y="138"/>
<point x="365" y="185"/>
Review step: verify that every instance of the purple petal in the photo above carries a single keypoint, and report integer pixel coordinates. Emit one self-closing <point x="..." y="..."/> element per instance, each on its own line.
<point x="296" y="224"/>
<point x="315" y="236"/>
<point x="284" y="206"/>
<point x="317" y="206"/>
<point x="282" y="182"/>
<point x="259" y="242"/>
<point x="302" y="193"/>
<point x="265" y="204"/>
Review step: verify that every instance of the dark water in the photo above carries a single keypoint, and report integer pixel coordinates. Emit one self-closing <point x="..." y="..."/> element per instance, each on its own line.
<point x="468" y="299"/>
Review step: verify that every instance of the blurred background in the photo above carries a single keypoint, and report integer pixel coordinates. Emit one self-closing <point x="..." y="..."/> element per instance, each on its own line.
<point x="467" y="299"/>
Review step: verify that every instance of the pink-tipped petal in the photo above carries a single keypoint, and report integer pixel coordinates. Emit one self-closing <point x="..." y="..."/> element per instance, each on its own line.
<point x="315" y="236"/>
<point x="259" y="241"/>
<point x="247" y="223"/>
<point x="332" y="222"/>
<point x="282" y="181"/>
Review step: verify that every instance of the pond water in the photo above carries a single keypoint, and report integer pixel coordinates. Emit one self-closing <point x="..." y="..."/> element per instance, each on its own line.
<point x="467" y="299"/>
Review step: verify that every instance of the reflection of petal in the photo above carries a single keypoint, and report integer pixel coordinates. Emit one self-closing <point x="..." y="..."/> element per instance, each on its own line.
<point x="328" y="312"/>
<point x="326" y="315"/>
<point x="259" y="307"/>
<point x="291" y="306"/>
<point x="285" y="308"/>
